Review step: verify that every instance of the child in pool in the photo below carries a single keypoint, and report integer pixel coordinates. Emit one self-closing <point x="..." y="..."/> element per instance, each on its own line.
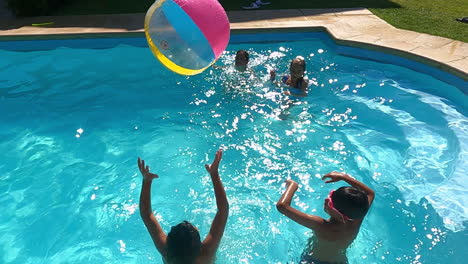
<point x="241" y="60"/>
<point x="346" y="206"/>
<point x="295" y="79"/>
<point x="183" y="244"/>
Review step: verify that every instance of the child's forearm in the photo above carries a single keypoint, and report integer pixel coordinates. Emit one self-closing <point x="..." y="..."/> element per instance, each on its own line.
<point x="145" y="200"/>
<point x="284" y="206"/>
<point x="146" y="213"/>
<point x="285" y="200"/>
<point x="220" y="194"/>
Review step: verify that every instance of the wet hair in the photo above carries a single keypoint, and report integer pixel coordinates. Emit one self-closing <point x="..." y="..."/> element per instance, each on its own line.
<point x="298" y="60"/>
<point x="351" y="202"/>
<point x="183" y="244"/>
<point x="242" y="53"/>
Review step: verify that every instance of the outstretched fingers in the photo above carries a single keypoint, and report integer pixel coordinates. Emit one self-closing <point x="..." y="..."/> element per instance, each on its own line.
<point x="145" y="170"/>
<point x="327" y="176"/>
<point x="219" y="155"/>
<point x="332" y="176"/>
<point x="214" y="166"/>
<point x="141" y="164"/>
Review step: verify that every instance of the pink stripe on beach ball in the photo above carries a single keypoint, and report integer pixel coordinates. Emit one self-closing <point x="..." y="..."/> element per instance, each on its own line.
<point x="212" y="20"/>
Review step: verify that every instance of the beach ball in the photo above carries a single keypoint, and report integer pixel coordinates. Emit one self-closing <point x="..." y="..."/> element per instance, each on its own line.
<point x="187" y="36"/>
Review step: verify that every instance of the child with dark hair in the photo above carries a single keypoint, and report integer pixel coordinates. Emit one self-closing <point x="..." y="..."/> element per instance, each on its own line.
<point x="241" y="60"/>
<point x="183" y="244"/>
<point x="346" y="206"/>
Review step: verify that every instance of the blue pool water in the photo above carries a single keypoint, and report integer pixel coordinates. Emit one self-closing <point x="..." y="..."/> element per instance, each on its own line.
<point x="73" y="121"/>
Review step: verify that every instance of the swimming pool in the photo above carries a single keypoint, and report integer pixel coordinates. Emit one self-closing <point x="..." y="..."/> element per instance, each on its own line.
<point x="74" y="119"/>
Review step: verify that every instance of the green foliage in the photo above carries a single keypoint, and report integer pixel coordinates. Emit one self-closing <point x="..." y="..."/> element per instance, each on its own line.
<point x="91" y="7"/>
<point x="33" y="7"/>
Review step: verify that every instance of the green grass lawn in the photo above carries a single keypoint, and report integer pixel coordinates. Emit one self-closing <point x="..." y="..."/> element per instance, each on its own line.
<point x="435" y="17"/>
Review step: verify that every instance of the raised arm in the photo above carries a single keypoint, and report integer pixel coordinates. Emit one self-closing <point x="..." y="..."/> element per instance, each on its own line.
<point x="146" y="213"/>
<point x="212" y="240"/>
<point x="338" y="176"/>
<point x="272" y="75"/>
<point x="284" y="206"/>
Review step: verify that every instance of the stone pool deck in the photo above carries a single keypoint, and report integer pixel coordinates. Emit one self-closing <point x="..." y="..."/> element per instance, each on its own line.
<point x="354" y="27"/>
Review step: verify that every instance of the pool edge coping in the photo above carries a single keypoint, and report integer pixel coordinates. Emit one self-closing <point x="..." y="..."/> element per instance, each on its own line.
<point x="354" y="27"/>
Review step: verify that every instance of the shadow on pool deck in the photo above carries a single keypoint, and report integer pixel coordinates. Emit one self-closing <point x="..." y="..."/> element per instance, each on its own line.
<point x="233" y="5"/>
<point x="133" y="22"/>
<point x="90" y="7"/>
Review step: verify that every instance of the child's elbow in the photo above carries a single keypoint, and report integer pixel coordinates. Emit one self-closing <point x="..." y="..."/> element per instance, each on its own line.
<point x="145" y="215"/>
<point x="281" y="207"/>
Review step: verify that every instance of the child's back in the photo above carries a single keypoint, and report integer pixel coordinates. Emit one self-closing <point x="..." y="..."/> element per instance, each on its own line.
<point x="330" y="245"/>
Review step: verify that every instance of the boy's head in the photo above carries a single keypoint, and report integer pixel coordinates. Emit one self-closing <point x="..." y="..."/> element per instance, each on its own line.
<point x="297" y="67"/>
<point x="242" y="58"/>
<point x="183" y="243"/>
<point x="350" y="202"/>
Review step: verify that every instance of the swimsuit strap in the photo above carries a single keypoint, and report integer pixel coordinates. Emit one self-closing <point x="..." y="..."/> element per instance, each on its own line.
<point x="299" y="82"/>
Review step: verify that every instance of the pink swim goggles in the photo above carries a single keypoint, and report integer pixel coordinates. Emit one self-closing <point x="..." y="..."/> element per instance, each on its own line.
<point x="329" y="201"/>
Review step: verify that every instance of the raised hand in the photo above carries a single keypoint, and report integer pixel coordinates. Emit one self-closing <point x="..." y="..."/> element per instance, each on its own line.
<point x="145" y="171"/>
<point x="334" y="176"/>
<point x="272" y="75"/>
<point x="213" y="168"/>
